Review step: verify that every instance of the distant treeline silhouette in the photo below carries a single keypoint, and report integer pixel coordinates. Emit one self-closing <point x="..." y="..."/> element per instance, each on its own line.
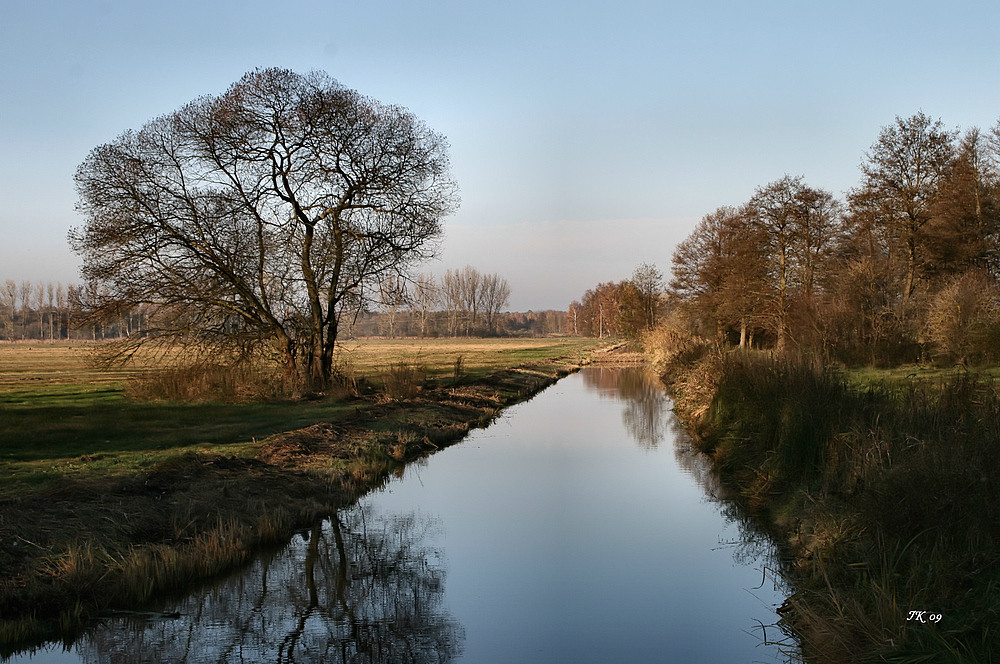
<point x="49" y="311"/>
<point x="461" y="303"/>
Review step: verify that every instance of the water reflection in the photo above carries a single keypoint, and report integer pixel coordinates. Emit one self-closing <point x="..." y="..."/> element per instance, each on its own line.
<point x="578" y="529"/>
<point x="647" y="410"/>
<point x="361" y="587"/>
<point x="751" y="547"/>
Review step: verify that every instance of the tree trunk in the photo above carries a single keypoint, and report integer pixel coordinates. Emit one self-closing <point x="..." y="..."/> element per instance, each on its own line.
<point x="290" y="371"/>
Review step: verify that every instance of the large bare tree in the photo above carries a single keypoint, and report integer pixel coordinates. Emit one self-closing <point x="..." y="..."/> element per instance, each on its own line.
<point x="259" y="217"/>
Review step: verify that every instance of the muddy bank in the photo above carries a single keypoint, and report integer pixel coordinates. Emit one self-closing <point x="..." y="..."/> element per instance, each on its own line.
<point x="96" y="543"/>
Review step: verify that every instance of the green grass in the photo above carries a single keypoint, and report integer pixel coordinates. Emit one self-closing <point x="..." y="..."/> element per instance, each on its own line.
<point x="908" y="373"/>
<point x="49" y="432"/>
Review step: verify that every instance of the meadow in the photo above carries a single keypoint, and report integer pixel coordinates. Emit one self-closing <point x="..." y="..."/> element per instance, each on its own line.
<point x="61" y="414"/>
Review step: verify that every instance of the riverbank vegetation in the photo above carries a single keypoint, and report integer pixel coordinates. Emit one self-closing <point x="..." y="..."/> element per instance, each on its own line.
<point x="109" y="500"/>
<point x="837" y="362"/>
<point x="883" y="491"/>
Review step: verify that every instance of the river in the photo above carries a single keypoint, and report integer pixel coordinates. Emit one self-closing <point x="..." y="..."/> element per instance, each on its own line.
<point x="579" y="527"/>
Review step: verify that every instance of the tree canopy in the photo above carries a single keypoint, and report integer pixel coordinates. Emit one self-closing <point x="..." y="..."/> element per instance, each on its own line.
<point x="260" y="217"/>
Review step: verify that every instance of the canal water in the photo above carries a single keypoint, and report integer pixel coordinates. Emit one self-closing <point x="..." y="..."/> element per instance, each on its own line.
<point x="579" y="527"/>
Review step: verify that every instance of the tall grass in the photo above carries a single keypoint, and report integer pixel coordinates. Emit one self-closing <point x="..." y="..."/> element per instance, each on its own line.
<point x="886" y="492"/>
<point x="402" y="380"/>
<point x="229" y="383"/>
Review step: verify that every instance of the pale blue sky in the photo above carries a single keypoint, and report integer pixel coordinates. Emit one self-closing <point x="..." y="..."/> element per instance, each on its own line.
<point x="587" y="137"/>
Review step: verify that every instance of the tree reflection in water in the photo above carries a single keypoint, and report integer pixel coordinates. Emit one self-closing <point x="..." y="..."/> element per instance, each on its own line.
<point x="361" y="587"/>
<point x="647" y="410"/>
<point x="752" y="547"/>
<point x="649" y="419"/>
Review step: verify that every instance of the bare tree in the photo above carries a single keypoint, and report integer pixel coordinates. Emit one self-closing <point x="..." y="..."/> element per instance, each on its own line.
<point x="50" y="290"/>
<point x="648" y="281"/>
<point x="451" y="291"/>
<point x="8" y="307"/>
<point x="61" y="303"/>
<point x="24" y="295"/>
<point x="471" y="284"/>
<point x="39" y="297"/>
<point x="963" y="318"/>
<point x="393" y="294"/>
<point x="495" y="297"/>
<point x="425" y="297"/>
<point x="799" y="225"/>
<point x="573" y="315"/>
<point x="964" y="229"/>
<point x="259" y="217"/>
<point x="720" y="274"/>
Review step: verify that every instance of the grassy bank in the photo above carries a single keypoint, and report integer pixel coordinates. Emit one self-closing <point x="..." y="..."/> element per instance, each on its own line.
<point x="108" y="502"/>
<point x="883" y="488"/>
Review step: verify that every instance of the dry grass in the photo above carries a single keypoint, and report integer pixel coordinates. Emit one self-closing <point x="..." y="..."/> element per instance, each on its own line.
<point x="28" y="365"/>
<point x="439" y="356"/>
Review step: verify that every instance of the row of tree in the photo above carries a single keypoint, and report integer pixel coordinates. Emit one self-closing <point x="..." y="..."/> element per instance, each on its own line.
<point x="619" y="309"/>
<point x="47" y="310"/>
<point x="907" y="266"/>
<point x="413" y="323"/>
<point x="462" y="302"/>
<point x="470" y="299"/>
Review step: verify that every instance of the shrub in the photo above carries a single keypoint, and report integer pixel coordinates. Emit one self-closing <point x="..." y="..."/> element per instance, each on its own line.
<point x="963" y="319"/>
<point x="402" y="380"/>
<point x="208" y="382"/>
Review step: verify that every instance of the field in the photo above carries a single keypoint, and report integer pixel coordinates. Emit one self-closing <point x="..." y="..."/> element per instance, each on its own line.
<point x="60" y="415"/>
<point x="108" y="501"/>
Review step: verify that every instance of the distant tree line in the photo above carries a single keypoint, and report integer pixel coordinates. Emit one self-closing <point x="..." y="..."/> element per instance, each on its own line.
<point x="619" y="309"/>
<point x="408" y="323"/>
<point x="52" y="311"/>
<point x="906" y="268"/>
<point x="460" y="303"/>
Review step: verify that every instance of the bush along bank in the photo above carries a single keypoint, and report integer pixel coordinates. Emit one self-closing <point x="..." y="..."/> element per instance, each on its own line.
<point x="94" y="542"/>
<point x="885" y="494"/>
